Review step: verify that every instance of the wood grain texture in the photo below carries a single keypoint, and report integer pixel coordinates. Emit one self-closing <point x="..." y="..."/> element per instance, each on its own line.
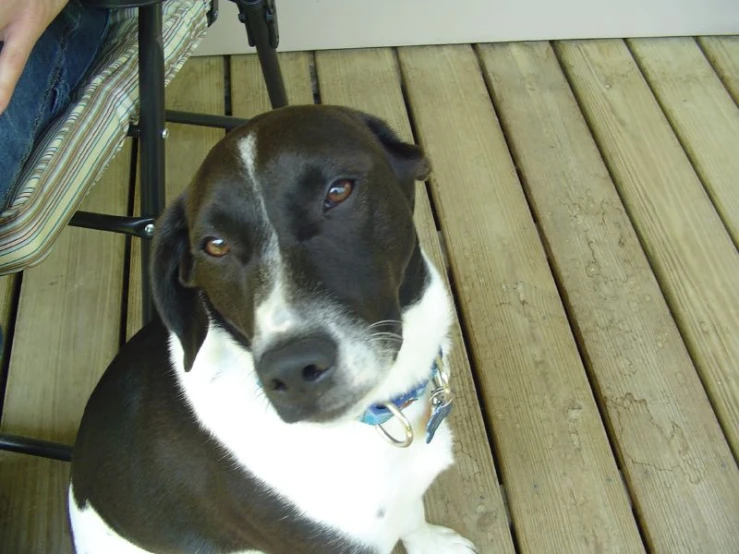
<point x="249" y="93"/>
<point x="702" y="114"/>
<point x="66" y="333"/>
<point x="7" y="316"/>
<point x="33" y="505"/>
<point x="685" y="240"/>
<point x="467" y="497"/>
<point x="560" y="476"/>
<point x="723" y="52"/>
<point x="7" y="290"/>
<point x="199" y="88"/>
<point x="676" y="461"/>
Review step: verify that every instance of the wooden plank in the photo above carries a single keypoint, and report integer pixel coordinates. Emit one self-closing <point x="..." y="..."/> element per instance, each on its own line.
<point x="33" y="505"/>
<point x="688" y="246"/>
<point x="675" y="458"/>
<point x="467" y="498"/>
<point x="561" y="479"/>
<point x="199" y="88"/>
<point x="7" y="317"/>
<point x="66" y="333"/>
<point x="723" y="52"/>
<point x="7" y="291"/>
<point x="249" y="93"/>
<point x="702" y="114"/>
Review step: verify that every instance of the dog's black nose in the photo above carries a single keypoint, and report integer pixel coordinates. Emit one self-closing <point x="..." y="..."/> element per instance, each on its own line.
<point x="298" y="367"/>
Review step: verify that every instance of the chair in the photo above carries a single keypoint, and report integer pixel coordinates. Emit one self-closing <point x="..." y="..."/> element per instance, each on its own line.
<point x="128" y="85"/>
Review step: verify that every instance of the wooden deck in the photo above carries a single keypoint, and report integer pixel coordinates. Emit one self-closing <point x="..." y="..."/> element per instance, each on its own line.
<point x="585" y="202"/>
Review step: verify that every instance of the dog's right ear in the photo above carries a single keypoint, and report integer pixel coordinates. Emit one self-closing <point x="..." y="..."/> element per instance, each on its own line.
<point x="407" y="160"/>
<point x="178" y="303"/>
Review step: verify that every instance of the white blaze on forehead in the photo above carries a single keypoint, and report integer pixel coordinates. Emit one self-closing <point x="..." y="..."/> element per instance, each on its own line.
<point x="274" y="315"/>
<point x="248" y="150"/>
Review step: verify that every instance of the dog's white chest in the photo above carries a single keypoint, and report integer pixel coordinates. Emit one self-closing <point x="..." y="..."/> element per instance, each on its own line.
<point x="345" y="476"/>
<point x="353" y="480"/>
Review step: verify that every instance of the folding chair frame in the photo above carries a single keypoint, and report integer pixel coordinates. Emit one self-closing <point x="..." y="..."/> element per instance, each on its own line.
<point x="260" y="19"/>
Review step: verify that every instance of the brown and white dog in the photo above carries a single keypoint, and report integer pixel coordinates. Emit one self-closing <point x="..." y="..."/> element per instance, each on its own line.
<point x="297" y="312"/>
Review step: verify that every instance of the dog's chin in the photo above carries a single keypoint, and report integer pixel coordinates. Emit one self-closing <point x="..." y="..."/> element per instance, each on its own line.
<point x="348" y="409"/>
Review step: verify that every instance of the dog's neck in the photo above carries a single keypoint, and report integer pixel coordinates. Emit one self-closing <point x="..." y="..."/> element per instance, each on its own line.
<point x="415" y="279"/>
<point x="426" y="324"/>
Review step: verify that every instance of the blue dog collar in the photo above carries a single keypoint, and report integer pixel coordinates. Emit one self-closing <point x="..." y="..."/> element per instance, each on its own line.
<point x="441" y="404"/>
<point x="440" y="399"/>
<point x="377" y="414"/>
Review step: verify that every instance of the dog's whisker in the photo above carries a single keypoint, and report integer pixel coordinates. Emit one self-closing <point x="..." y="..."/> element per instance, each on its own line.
<point x="389" y="338"/>
<point x="385" y="321"/>
<point x="385" y="333"/>
<point x="262" y="398"/>
<point x="386" y="345"/>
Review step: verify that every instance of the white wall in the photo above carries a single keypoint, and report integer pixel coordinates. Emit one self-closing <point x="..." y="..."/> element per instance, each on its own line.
<point x="329" y="24"/>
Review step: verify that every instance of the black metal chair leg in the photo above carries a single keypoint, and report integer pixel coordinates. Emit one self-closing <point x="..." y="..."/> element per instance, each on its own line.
<point x="260" y="19"/>
<point x="153" y="132"/>
<point x="35" y="447"/>
<point x="226" y="122"/>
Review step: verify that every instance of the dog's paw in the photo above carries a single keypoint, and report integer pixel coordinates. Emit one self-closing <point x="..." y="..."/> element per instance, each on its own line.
<point x="433" y="539"/>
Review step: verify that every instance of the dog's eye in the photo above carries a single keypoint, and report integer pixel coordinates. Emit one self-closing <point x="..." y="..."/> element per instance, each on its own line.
<point x="216" y="247"/>
<point x="338" y="192"/>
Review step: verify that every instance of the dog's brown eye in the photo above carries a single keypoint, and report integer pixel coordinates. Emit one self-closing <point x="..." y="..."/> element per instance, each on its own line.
<point x="338" y="192"/>
<point x="216" y="247"/>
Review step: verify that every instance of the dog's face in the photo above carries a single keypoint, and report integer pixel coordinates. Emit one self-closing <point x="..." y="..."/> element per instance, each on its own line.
<point x="296" y="236"/>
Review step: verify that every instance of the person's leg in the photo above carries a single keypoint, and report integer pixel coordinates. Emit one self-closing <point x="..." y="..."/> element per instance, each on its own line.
<point x="56" y="67"/>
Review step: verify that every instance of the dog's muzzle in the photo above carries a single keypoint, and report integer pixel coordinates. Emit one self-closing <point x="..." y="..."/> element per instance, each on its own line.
<point x="296" y="374"/>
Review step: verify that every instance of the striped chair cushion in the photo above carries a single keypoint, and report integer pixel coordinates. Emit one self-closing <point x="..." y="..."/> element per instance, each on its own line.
<point x="75" y="151"/>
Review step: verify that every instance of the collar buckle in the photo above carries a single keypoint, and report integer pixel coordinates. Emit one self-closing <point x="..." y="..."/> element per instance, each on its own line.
<point x="407" y="427"/>
<point x="441" y="399"/>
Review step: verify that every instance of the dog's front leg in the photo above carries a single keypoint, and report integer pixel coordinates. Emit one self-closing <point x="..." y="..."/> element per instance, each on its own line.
<point x="424" y="538"/>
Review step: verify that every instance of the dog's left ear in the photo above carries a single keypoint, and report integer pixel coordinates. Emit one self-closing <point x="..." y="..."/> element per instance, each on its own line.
<point x="407" y="160"/>
<point x="177" y="302"/>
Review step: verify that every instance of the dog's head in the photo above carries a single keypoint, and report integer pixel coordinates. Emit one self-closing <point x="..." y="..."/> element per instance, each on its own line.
<point x="297" y="237"/>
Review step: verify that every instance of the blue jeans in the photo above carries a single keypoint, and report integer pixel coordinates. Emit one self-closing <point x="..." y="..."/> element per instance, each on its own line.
<point x="57" y="66"/>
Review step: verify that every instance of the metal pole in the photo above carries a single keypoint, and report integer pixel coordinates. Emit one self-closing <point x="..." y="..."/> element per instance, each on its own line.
<point x="226" y="122"/>
<point x="153" y="133"/>
<point x="142" y="227"/>
<point x="260" y="19"/>
<point x="35" y="447"/>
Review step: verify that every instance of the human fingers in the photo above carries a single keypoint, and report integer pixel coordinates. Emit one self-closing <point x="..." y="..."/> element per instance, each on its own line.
<point x="22" y="22"/>
<point x="13" y="57"/>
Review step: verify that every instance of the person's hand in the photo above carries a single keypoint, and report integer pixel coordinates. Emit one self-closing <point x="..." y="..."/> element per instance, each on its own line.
<point x="22" y="22"/>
